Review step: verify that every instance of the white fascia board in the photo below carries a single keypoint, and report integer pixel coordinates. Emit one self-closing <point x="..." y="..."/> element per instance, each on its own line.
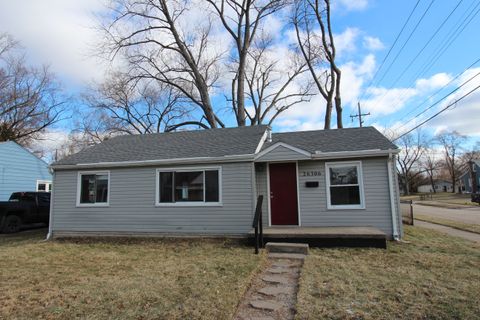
<point x="285" y="145"/>
<point x="354" y="154"/>
<point x="262" y="140"/>
<point x="198" y="160"/>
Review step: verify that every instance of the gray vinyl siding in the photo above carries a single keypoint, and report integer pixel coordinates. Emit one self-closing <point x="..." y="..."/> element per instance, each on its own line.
<point x="132" y="205"/>
<point x="281" y="153"/>
<point x="396" y="191"/>
<point x="313" y="201"/>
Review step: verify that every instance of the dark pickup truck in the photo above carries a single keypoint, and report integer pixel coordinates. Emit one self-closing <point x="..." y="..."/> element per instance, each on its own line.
<point x="476" y="197"/>
<point x="24" y="208"/>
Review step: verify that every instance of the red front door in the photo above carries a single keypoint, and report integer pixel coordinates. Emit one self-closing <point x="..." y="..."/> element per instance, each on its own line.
<point x="283" y="193"/>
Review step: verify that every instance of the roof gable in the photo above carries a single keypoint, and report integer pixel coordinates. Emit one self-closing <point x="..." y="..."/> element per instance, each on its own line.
<point x="282" y="151"/>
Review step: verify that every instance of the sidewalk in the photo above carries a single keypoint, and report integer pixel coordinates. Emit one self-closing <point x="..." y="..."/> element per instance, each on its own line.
<point x="475" y="237"/>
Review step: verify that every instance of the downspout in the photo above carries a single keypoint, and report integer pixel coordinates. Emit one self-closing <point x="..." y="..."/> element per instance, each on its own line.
<point x="393" y="207"/>
<point x="50" y="219"/>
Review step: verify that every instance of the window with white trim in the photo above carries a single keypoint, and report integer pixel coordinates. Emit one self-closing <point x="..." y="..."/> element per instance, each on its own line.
<point x="189" y="186"/>
<point x="344" y="185"/>
<point x="44" y="186"/>
<point x="93" y="188"/>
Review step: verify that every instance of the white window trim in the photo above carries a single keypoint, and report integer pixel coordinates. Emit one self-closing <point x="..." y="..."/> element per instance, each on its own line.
<point x="358" y="164"/>
<point x="46" y="182"/>
<point x="79" y="189"/>
<point x="193" y="203"/>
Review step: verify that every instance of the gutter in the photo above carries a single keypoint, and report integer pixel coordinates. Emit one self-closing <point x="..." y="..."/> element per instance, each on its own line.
<point x="197" y="160"/>
<point x="393" y="207"/>
<point x="354" y="154"/>
<point x="50" y="219"/>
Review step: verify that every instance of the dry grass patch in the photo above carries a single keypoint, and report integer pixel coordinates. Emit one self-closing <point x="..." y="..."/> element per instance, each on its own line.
<point x="123" y="279"/>
<point x="432" y="277"/>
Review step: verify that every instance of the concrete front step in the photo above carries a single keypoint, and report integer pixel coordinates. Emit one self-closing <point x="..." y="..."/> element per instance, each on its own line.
<point x="284" y="247"/>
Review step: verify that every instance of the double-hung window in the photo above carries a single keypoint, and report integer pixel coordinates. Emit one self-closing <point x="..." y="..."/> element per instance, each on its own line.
<point x="93" y="188"/>
<point x="196" y="186"/>
<point x="344" y="185"/>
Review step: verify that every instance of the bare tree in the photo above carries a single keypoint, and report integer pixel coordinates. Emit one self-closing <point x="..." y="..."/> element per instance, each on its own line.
<point x="152" y="37"/>
<point x="431" y="165"/>
<point x="122" y="107"/>
<point x="452" y="145"/>
<point x="30" y="98"/>
<point x="318" y="50"/>
<point x="412" y="148"/>
<point x="274" y="87"/>
<point x="243" y="20"/>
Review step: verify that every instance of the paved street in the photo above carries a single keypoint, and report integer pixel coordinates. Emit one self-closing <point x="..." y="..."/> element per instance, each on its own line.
<point x="464" y="215"/>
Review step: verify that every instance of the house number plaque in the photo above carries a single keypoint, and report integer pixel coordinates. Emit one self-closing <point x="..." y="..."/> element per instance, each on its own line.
<point x="311" y="173"/>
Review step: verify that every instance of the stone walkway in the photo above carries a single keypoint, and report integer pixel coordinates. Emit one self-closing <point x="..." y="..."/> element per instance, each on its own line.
<point x="273" y="293"/>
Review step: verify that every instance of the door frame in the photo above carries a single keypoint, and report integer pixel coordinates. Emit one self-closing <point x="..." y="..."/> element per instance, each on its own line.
<point x="269" y="206"/>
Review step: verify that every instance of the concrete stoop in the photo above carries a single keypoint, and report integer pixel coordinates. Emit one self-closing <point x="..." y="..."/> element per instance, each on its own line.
<point x="287" y="248"/>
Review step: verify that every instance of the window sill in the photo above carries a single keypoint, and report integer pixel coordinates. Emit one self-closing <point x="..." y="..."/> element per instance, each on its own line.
<point x="183" y="205"/>
<point x="345" y="207"/>
<point x="93" y="205"/>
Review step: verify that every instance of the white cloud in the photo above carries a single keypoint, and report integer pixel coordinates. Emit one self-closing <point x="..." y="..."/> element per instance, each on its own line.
<point x="353" y="5"/>
<point x="464" y="115"/>
<point x="345" y="42"/>
<point x="373" y="43"/>
<point x="436" y="81"/>
<point x="56" y="32"/>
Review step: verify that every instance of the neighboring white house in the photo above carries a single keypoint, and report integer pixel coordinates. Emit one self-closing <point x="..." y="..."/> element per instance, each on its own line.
<point x="440" y="186"/>
<point x="21" y="170"/>
<point x="207" y="182"/>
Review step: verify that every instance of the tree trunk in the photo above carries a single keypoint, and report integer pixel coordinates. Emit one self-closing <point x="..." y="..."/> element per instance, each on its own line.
<point x="432" y="183"/>
<point x="328" y="115"/>
<point x="241" y="92"/>
<point x="338" y="107"/>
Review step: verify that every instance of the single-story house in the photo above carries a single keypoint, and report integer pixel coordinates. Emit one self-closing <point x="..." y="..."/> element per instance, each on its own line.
<point x="440" y="186"/>
<point x="21" y="170"/>
<point x="207" y="183"/>
<point x="465" y="181"/>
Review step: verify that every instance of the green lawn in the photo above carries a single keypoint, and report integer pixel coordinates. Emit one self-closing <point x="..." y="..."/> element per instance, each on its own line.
<point x="431" y="277"/>
<point x="122" y="279"/>
<point x="449" y="223"/>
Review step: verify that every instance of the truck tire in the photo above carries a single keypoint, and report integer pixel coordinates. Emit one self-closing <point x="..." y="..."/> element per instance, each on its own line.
<point x="12" y="224"/>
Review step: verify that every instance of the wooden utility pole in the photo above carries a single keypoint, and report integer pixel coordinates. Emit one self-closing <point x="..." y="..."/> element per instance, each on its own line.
<point x="359" y="115"/>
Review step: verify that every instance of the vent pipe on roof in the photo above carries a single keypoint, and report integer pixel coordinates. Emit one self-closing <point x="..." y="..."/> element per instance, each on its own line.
<point x="269" y="134"/>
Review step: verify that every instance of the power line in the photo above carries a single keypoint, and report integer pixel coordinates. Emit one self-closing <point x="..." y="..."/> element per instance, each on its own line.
<point x="426" y="44"/>
<point x="391" y="48"/>
<point x="439" y="90"/>
<point x="440" y="100"/>
<point x="439" y="112"/>
<point x="408" y="39"/>
<point x="449" y="39"/>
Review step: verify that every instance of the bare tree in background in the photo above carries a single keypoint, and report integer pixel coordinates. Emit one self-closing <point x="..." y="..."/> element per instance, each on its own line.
<point x="152" y="37"/>
<point x="243" y="21"/>
<point x="273" y="88"/>
<point x="431" y="165"/>
<point x="30" y="98"/>
<point x="125" y="107"/>
<point x="452" y="146"/>
<point x="318" y="49"/>
<point x="412" y="149"/>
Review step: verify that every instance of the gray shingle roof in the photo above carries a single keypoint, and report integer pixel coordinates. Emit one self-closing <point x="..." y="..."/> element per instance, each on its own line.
<point x="173" y="145"/>
<point x="224" y="142"/>
<point x="335" y="140"/>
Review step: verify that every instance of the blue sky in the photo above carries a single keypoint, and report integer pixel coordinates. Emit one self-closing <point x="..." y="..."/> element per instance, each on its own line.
<point x="61" y="33"/>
